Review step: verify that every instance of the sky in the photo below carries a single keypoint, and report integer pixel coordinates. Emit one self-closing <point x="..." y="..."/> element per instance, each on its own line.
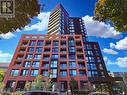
<point x="113" y="44"/>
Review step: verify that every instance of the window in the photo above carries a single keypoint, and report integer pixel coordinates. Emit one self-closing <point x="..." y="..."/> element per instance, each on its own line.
<point x="100" y="67"/>
<point x="48" y="43"/>
<point x="89" y="74"/>
<point x="63" y="57"/>
<point x="82" y="73"/>
<point x="36" y="64"/>
<point x="38" y="49"/>
<point x="81" y="65"/>
<point x="91" y="59"/>
<point x="37" y="56"/>
<point x="45" y="64"/>
<point x="88" y="46"/>
<point x="94" y="73"/>
<point x="46" y="56"/>
<point x="88" y="66"/>
<point x="71" y="49"/>
<point x="24" y="43"/>
<point x="29" y="56"/>
<point x="97" y="53"/>
<point x="45" y="72"/>
<point x="47" y="50"/>
<point x="72" y="64"/>
<point x="73" y="73"/>
<point x="34" y="37"/>
<point x="93" y="66"/>
<point x="55" y="43"/>
<point x="54" y="63"/>
<point x="79" y="50"/>
<point x="14" y="72"/>
<point x="72" y="57"/>
<point x="63" y="65"/>
<point x="71" y="43"/>
<point x="80" y="56"/>
<point x="63" y="73"/>
<point x="90" y="53"/>
<point x="78" y="43"/>
<point x="55" y="56"/>
<point x="95" y="47"/>
<point x="98" y="59"/>
<point x="24" y="73"/>
<point x="27" y="64"/>
<point x="87" y="59"/>
<point x="34" y="73"/>
<point x="63" y="43"/>
<point x="53" y="73"/>
<point x="55" y="50"/>
<point x="27" y="37"/>
<point x="40" y="43"/>
<point x="31" y="49"/>
<point x="32" y="43"/>
<point x="63" y="50"/>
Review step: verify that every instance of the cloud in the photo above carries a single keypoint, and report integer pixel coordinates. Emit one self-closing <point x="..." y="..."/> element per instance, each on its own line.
<point x="120" y="45"/>
<point x="120" y="61"/>
<point x="109" y="51"/>
<point x="5" y="57"/>
<point x="8" y="35"/>
<point x="99" y="29"/>
<point x="42" y="25"/>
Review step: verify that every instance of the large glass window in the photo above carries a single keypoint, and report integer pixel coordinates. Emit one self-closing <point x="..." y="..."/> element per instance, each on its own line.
<point x="73" y="73"/>
<point x="63" y="43"/>
<point x="29" y="56"/>
<point x="24" y="73"/>
<point x="27" y="64"/>
<point x="72" y="57"/>
<point x="53" y="73"/>
<point x="55" y="43"/>
<point x="46" y="56"/>
<point x="14" y="72"/>
<point x="55" y="49"/>
<point x="81" y="65"/>
<point x="45" y="72"/>
<point x="40" y="43"/>
<point x="63" y="50"/>
<point x="34" y="73"/>
<point x="98" y="59"/>
<point x="55" y="56"/>
<point x="32" y="43"/>
<point x="71" y="49"/>
<point x="63" y="73"/>
<point x="36" y="64"/>
<point x="82" y="73"/>
<point x="31" y="49"/>
<point x="63" y="57"/>
<point x="37" y="56"/>
<point x="47" y="43"/>
<point x="90" y="53"/>
<point x="88" y="66"/>
<point x="38" y="49"/>
<point x="45" y="64"/>
<point x="71" y="43"/>
<point x="63" y="65"/>
<point x="91" y="59"/>
<point x="93" y="66"/>
<point x="54" y="63"/>
<point x="72" y="64"/>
